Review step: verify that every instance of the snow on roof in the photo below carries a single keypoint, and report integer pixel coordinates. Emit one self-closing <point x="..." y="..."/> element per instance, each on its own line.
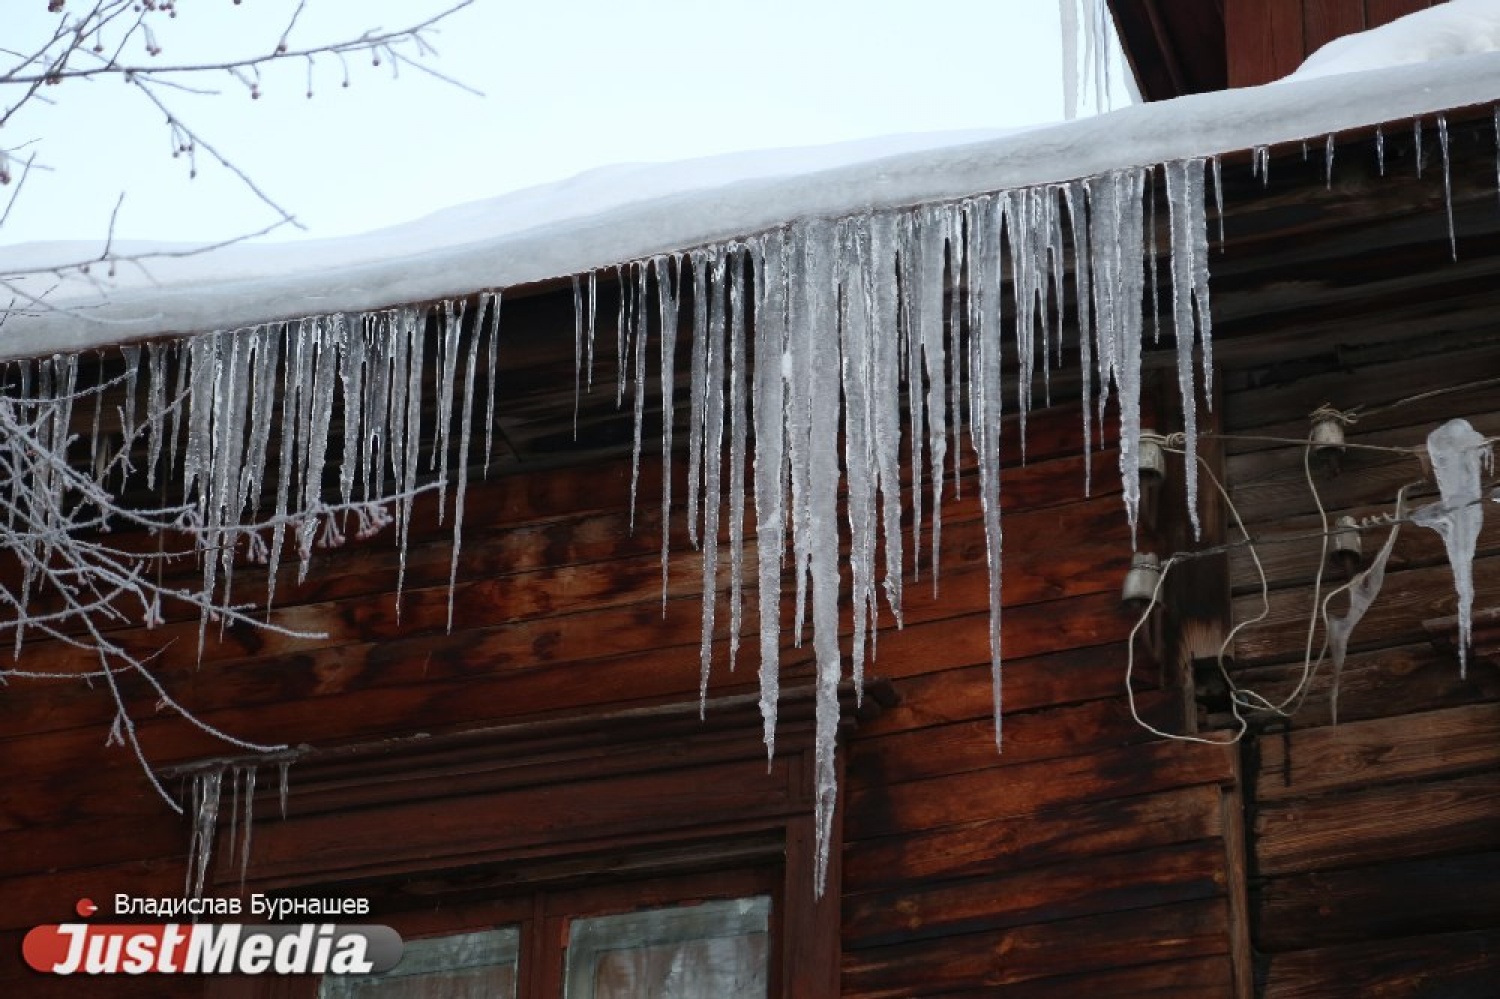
<point x="1455" y="28"/>
<point x="629" y="213"/>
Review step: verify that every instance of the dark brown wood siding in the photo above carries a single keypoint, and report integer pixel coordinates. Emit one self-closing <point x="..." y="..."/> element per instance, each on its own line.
<point x="1085" y="856"/>
<point x="1267" y="39"/>
<point x="1373" y="842"/>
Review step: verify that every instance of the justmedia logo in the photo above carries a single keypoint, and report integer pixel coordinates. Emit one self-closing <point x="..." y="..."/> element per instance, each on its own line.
<point x="226" y="948"/>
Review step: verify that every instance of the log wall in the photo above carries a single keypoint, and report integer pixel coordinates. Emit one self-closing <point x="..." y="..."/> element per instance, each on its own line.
<point x="1085" y="857"/>
<point x="1374" y="841"/>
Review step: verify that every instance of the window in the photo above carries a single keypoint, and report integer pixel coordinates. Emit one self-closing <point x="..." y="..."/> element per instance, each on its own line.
<point x="719" y="949"/>
<point x="643" y="850"/>
<point x="479" y="965"/>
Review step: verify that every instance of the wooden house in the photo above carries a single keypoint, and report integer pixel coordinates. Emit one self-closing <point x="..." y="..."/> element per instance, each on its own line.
<point x="508" y="761"/>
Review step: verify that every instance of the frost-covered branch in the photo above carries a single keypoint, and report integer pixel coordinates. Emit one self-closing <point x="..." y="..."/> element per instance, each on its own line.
<point x="209" y="406"/>
<point x="97" y="42"/>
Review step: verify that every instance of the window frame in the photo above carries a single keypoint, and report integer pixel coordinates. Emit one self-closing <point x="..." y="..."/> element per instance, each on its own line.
<point x="636" y="806"/>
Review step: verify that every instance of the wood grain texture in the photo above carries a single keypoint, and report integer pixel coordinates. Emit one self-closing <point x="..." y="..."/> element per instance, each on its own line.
<point x="1381" y="751"/>
<point x="1361" y="828"/>
<point x="1453" y="966"/>
<point x="1325" y="20"/>
<point x="1264" y="39"/>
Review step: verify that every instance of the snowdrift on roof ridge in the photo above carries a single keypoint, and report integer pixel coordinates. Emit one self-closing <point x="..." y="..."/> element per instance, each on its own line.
<point x="1455" y="28"/>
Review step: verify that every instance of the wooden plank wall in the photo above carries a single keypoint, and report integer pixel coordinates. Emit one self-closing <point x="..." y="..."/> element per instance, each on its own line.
<point x="1267" y="39"/>
<point x="1376" y="842"/>
<point x="1086" y="858"/>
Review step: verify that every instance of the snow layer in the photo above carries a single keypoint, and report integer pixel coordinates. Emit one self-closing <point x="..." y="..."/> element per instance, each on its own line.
<point x="1455" y="28"/>
<point x="632" y="213"/>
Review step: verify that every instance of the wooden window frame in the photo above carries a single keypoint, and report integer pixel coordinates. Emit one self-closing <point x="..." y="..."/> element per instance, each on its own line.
<point x="449" y="833"/>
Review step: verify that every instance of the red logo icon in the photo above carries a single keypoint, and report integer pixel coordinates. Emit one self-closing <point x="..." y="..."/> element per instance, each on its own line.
<point x="86" y="907"/>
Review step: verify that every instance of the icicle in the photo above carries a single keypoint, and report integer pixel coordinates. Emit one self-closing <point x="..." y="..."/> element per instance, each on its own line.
<point x="1152" y="253"/>
<point x="593" y="323"/>
<point x="1116" y="221"/>
<point x="1417" y="138"/>
<point x="207" y="787"/>
<point x="642" y="339"/>
<point x="267" y="355"/>
<point x="1189" y="296"/>
<point x="1076" y="197"/>
<point x="667" y="281"/>
<point x="234" y="813"/>
<point x="132" y="376"/>
<point x="985" y="390"/>
<point x="928" y="245"/>
<point x="1068" y="13"/>
<point x="859" y="468"/>
<point x="284" y="768"/>
<point x="909" y="278"/>
<point x="1447" y="186"/>
<point x="377" y="404"/>
<point x="737" y="442"/>
<point x="493" y="379"/>
<point x="248" y="822"/>
<point x="461" y="487"/>
<point x="577" y="352"/>
<point x="289" y="426"/>
<point x="622" y="328"/>
<point x="954" y="223"/>
<point x="1042" y="256"/>
<point x="178" y="405"/>
<point x="230" y="399"/>
<point x="98" y="450"/>
<point x="813" y="337"/>
<point x="1328" y="163"/>
<point x="713" y="458"/>
<point x="1459" y="456"/>
<point x="883" y="312"/>
<point x="353" y="376"/>
<point x="413" y="326"/>
<point x="698" y="387"/>
<point x="1218" y="173"/>
<point x="1260" y="164"/>
<point x="1380" y="149"/>
<point x="1363" y="590"/>
<point x="768" y="400"/>
<point x="447" y="382"/>
<point x="156" y="405"/>
<point x="1018" y="229"/>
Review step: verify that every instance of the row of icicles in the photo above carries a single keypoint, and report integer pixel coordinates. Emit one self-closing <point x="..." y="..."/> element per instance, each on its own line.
<point x="816" y="325"/>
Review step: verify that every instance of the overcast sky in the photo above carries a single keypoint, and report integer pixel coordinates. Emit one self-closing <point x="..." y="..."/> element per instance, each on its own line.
<point x="567" y="87"/>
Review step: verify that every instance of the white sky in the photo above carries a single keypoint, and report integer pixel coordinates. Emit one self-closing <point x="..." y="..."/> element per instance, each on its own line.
<point x="569" y="86"/>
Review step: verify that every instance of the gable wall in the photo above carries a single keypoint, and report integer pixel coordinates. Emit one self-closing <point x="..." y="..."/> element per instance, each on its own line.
<point x="1084" y="856"/>
<point x="1267" y="39"/>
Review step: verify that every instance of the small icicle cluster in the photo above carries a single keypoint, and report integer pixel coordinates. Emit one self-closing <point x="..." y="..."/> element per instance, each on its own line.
<point x="206" y="801"/>
<point x="248" y="419"/>
<point x="1460" y="458"/>
<point x="816" y="328"/>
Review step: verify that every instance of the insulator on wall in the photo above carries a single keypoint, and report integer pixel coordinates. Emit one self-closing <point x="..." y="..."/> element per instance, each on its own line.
<point x="1142" y="579"/>
<point x="1345" y="545"/>
<point x="1327" y="436"/>
<point x="1152" y="460"/>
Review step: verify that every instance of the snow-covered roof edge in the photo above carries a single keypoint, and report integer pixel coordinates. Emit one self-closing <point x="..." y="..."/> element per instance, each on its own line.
<point x="501" y="254"/>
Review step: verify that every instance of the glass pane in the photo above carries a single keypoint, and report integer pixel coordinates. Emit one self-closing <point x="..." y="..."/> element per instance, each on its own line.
<point x="716" y="950"/>
<point x="478" y="965"/>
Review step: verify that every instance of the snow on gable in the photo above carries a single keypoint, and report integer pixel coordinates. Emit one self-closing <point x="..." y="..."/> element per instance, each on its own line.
<point x="1448" y="30"/>
<point x="621" y="214"/>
